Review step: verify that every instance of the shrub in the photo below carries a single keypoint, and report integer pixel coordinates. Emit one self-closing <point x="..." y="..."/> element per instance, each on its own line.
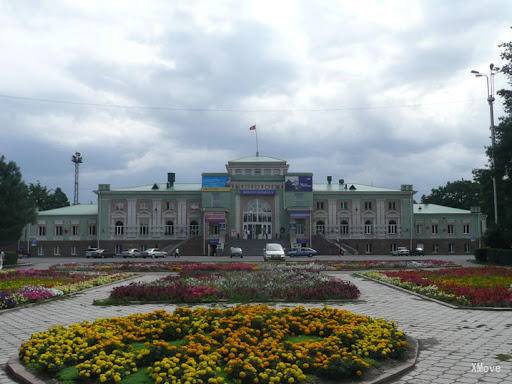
<point x="480" y="255"/>
<point x="11" y="258"/>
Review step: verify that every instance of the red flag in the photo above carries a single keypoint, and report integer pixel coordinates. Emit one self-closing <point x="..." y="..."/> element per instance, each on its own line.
<point x="253" y="128"/>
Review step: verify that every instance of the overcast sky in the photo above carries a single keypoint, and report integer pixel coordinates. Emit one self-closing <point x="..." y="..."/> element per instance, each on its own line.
<point x="374" y="92"/>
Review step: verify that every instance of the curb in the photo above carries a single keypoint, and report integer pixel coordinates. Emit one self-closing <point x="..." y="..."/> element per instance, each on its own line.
<point x="453" y="306"/>
<point x="22" y="375"/>
<point x="65" y="296"/>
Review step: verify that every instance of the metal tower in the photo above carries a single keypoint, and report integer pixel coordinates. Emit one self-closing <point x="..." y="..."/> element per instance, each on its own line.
<point x="77" y="159"/>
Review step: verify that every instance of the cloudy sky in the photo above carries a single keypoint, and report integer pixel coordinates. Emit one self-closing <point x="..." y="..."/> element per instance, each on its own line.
<point x="373" y="92"/>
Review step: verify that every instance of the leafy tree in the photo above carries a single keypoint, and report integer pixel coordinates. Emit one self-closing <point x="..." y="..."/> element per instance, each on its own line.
<point x="44" y="200"/>
<point x="16" y="208"/>
<point x="462" y="194"/>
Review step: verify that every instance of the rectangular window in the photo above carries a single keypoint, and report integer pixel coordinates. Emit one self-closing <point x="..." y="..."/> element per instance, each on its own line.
<point x="119" y="206"/>
<point x="215" y="199"/>
<point x="42" y="230"/>
<point x="451" y="248"/>
<point x="73" y="250"/>
<point x="466" y="229"/>
<point x="92" y="230"/>
<point x="143" y="205"/>
<point x="418" y="229"/>
<point x="344" y="205"/>
<point x="393" y="247"/>
<point x="58" y="230"/>
<point x="276" y="172"/>
<point x="56" y="251"/>
<point x="319" y="205"/>
<point x="75" y="230"/>
<point x="267" y="171"/>
<point x="368" y="228"/>
<point x="467" y="247"/>
<point x="257" y="171"/>
<point x="144" y="229"/>
<point x="450" y="229"/>
<point x="435" y="248"/>
<point x="40" y="251"/>
<point x="435" y="229"/>
<point x="367" y="205"/>
<point x="248" y="171"/>
<point x="368" y="248"/>
<point x="392" y="205"/>
<point x="238" y="171"/>
<point x="344" y="227"/>
<point x="118" y="249"/>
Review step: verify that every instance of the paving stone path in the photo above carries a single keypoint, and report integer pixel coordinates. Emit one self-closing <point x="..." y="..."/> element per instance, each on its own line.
<point x="451" y="340"/>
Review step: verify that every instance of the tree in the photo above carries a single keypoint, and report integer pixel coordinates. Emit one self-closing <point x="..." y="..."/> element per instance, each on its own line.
<point x="44" y="200"/>
<point x="462" y="194"/>
<point x="16" y="208"/>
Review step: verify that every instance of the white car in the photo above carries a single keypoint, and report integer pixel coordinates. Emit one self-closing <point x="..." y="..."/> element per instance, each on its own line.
<point x="401" y="251"/>
<point x="132" y="252"/>
<point x="154" y="253"/>
<point x="273" y="251"/>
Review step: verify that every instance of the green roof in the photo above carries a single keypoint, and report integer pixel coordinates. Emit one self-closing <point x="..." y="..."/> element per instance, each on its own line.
<point x="72" y="210"/>
<point x="426" y="209"/>
<point x="257" y="159"/>
<point x="182" y="187"/>
<point x="336" y="187"/>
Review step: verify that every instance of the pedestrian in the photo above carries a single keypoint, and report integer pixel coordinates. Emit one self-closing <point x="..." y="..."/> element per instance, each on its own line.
<point x="177" y="253"/>
<point x="2" y="256"/>
<point x="342" y="252"/>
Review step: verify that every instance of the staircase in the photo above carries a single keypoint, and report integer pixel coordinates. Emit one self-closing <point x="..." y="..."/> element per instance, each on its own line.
<point x="324" y="246"/>
<point x="347" y="248"/>
<point x="188" y="247"/>
<point x="252" y="247"/>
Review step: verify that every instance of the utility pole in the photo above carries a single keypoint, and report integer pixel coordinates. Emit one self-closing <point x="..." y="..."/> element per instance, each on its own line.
<point x="77" y="160"/>
<point x="490" y="99"/>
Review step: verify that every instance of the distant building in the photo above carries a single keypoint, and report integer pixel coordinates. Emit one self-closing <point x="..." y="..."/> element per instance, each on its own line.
<point x="255" y="199"/>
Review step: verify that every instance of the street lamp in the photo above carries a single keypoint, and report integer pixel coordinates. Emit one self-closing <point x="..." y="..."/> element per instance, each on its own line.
<point x="490" y="99"/>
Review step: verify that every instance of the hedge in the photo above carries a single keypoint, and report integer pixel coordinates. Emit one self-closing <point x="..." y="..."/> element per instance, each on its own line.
<point x="11" y="258"/>
<point x="494" y="256"/>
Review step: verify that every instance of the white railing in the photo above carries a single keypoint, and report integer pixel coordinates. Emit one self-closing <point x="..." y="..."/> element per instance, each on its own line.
<point x="169" y="232"/>
<point x="360" y="231"/>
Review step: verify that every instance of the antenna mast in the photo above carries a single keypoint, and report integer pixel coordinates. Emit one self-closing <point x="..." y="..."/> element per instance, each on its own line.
<point x="77" y="160"/>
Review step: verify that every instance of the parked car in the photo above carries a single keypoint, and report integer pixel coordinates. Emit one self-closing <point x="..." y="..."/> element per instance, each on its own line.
<point x="154" y="253"/>
<point x="273" y="251"/>
<point x="90" y="252"/>
<point x="418" y="251"/>
<point x="98" y="253"/>
<point x="401" y="251"/>
<point x="132" y="252"/>
<point x="302" y="251"/>
<point x="236" y="252"/>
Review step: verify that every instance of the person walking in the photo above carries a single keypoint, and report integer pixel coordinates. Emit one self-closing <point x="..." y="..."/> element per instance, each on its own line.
<point x="177" y="253"/>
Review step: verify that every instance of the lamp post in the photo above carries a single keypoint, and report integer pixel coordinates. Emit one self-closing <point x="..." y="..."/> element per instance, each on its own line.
<point x="490" y="99"/>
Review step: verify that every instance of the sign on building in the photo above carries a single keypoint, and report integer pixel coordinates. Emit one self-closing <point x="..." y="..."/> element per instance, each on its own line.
<point x="298" y="184"/>
<point x="215" y="183"/>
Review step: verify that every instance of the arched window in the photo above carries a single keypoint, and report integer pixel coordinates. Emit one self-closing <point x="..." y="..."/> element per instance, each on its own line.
<point x="344" y="227"/>
<point x="194" y="228"/>
<point x="257" y="211"/>
<point x="392" y="227"/>
<point x="368" y="227"/>
<point x="169" y="228"/>
<point x="119" y="228"/>
<point x="320" y="227"/>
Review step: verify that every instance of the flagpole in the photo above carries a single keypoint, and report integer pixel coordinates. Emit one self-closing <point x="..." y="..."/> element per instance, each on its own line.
<point x="257" y="147"/>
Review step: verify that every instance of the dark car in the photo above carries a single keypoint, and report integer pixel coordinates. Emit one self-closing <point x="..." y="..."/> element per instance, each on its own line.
<point x="301" y="252"/>
<point x="418" y="252"/>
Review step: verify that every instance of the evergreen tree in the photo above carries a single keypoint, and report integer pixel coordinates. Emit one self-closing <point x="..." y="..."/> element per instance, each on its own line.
<point x="16" y="207"/>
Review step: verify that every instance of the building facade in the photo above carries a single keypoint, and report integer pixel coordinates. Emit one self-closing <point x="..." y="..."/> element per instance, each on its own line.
<point x="256" y="198"/>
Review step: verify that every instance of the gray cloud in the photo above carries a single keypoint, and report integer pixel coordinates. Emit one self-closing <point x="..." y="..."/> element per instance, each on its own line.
<point x="372" y="60"/>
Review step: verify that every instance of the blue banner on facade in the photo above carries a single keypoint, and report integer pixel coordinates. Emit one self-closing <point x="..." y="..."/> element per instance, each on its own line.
<point x="214" y="182"/>
<point x="264" y="192"/>
<point x="298" y="184"/>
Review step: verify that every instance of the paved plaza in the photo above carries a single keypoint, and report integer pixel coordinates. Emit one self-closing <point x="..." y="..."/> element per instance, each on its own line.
<point x="451" y="340"/>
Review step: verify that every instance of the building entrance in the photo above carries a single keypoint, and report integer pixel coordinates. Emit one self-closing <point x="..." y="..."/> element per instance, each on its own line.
<point x="257" y="220"/>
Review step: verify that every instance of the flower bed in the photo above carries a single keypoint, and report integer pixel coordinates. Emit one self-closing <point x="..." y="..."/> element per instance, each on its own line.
<point x="244" y="344"/>
<point x="279" y="283"/>
<point x="28" y="286"/>
<point x="169" y="266"/>
<point x="479" y="287"/>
